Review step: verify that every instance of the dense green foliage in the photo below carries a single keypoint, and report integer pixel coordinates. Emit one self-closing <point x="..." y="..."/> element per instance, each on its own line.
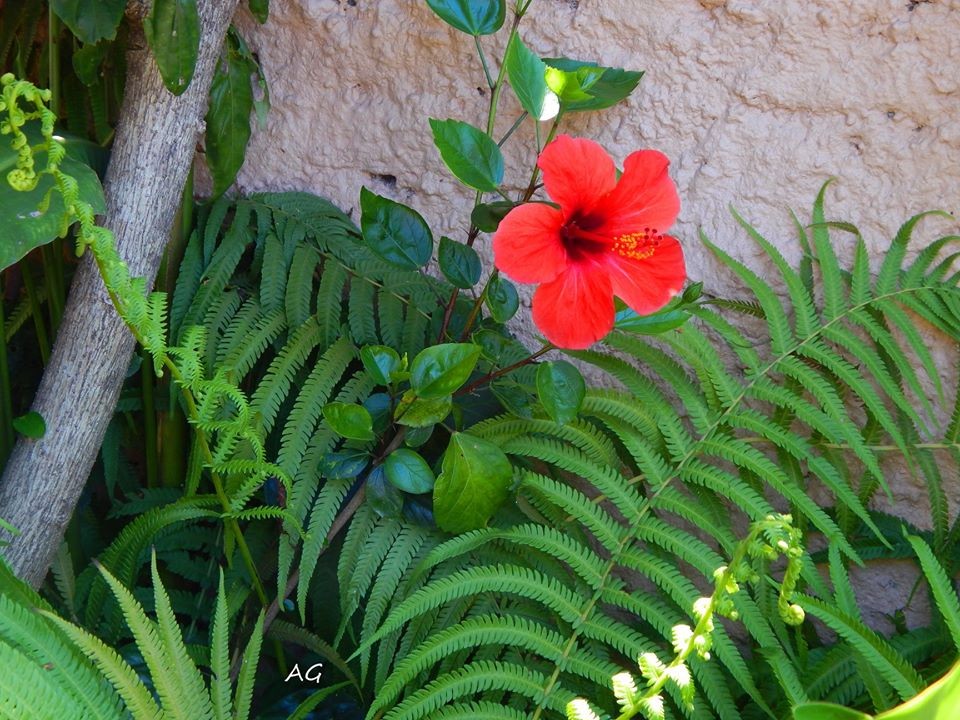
<point x="357" y="460"/>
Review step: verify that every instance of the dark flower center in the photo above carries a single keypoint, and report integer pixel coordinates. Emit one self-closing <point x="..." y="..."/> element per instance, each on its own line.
<point x="582" y="241"/>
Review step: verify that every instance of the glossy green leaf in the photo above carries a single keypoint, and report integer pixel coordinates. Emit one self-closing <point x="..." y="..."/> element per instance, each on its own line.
<point x="409" y="472"/>
<point x="350" y="421"/>
<point x="260" y="9"/>
<point x="527" y="74"/>
<point x="487" y="216"/>
<point x="561" y="389"/>
<point x="173" y="33"/>
<point x="380" y="407"/>
<point x="655" y="324"/>
<point x="90" y="20"/>
<point x="474" y="483"/>
<point x="344" y="464"/>
<point x="380" y="362"/>
<point x="502" y="299"/>
<point x="440" y="370"/>
<point x="30" y="425"/>
<point x="394" y="231"/>
<point x="417" y="412"/>
<point x="26" y="225"/>
<point x="827" y="711"/>
<point x="459" y="263"/>
<point x="228" y="118"/>
<point x="383" y="497"/>
<point x="584" y="86"/>
<point x="470" y="154"/>
<point x="474" y="17"/>
<point x="417" y="436"/>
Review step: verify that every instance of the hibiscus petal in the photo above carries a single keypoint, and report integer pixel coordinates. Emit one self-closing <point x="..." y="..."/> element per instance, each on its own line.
<point x="645" y="197"/>
<point x="647" y="285"/>
<point x="576" y="309"/>
<point x="577" y="173"/>
<point x="527" y="245"/>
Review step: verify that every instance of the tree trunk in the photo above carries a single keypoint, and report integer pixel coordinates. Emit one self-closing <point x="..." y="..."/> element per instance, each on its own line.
<point x="154" y="147"/>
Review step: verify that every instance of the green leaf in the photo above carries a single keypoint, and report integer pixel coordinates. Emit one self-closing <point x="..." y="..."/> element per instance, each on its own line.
<point x="349" y="421"/>
<point x="527" y="73"/>
<point x="380" y="362"/>
<point x="343" y="465"/>
<point x="655" y="324"/>
<point x="409" y="472"/>
<point x="487" y="216"/>
<point x="439" y="370"/>
<point x="394" y="231"/>
<point x="474" y="482"/>
<point x="30" y="425"/>
<point x="474" y="17"/>
<point x="938" y="701"/>
<point x="260" y="9"/>
<point x="826" y="711"/>
<point x="90" y="21"/>
<point x="383" y="497"/>
<point x="173" y="33"/>
<point x="502" y="299"/>
<point x="417" y="436"/>
<point x="228" y="118"/>
<point x="561" y="389"/>
<point x="470" y="154"/>
<point x="459" y="263"/>
<point x="585" y="86"/>
<point x="25" y="225"/>
<point x="417" y="412"/>
<point x="88" y="59"/>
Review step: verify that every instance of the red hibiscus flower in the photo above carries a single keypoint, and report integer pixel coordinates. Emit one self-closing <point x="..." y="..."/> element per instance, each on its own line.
<point x="606" y="239"/>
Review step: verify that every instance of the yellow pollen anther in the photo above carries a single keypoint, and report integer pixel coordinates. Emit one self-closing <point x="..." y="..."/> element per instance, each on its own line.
<point x="637" y="245"/>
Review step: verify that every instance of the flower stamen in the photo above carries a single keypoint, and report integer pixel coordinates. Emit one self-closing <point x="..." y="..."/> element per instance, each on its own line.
<point x="637" y="245"/>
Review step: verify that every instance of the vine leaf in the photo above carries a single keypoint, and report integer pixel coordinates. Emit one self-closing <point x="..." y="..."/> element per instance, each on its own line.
<point x="228" y="119"/>
<point x="90" y="21"/>
<point x="474" y="482"/>
<point x="173" y="33"/>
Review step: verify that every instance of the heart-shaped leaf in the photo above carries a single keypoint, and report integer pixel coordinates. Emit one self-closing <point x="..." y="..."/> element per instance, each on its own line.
<point x="474" y="482"/>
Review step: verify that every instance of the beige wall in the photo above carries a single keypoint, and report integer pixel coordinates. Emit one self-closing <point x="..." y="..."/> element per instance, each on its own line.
<point x="756" y="101"/>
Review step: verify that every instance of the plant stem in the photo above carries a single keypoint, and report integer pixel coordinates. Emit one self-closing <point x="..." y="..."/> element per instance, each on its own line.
<point x="516" y="124"/>
<point x="53" y="56"/>
<point x="535" y="176"/>
<point x="477" y="304"/>
<point x="495" y="89"/>
<point x="510" y="368"/>
<point x="149" y="417"/>
<point x="483" y="61"/>
<point x="339" y="522"/>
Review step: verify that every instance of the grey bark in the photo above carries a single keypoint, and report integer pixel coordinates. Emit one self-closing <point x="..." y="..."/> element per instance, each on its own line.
<point x="154" y="147"/>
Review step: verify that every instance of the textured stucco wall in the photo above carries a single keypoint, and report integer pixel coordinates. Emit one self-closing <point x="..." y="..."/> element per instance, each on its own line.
<point x="756" y="101"/>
